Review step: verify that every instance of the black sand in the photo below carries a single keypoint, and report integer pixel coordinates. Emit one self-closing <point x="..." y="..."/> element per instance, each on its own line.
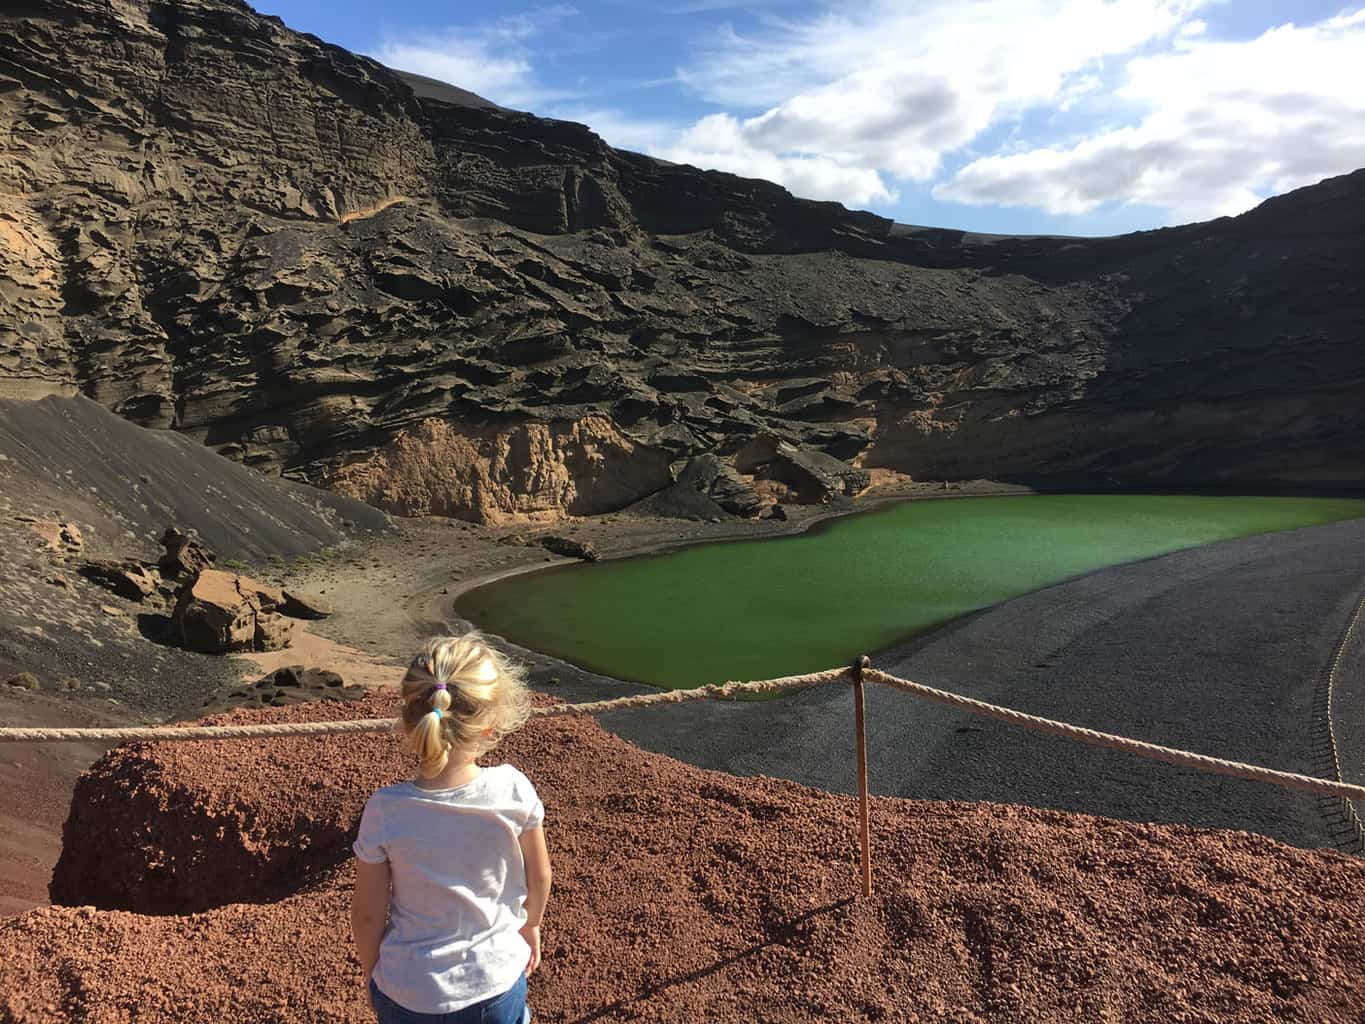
<point x="1217" y="649"/>
<point x="75" y="458"/>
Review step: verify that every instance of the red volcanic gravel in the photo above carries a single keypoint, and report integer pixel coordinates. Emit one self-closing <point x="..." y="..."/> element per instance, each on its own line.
<point x="682" y="895"/>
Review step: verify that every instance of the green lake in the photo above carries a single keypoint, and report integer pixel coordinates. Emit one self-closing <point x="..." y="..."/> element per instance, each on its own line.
<point x="757" y="609"/>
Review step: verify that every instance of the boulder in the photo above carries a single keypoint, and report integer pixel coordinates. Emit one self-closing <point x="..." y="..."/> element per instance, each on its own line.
<point x="299" y="604"/>
<point x="25" y="681"/>
<point x="185" y="557"/>
<point x="811" y="477"/>
<point x="218" y="612"/>
<point x="568" y="547"/>
<point x="707" y="489"/>
<point x="721" y="482"/>
<point x="127" y="579"/>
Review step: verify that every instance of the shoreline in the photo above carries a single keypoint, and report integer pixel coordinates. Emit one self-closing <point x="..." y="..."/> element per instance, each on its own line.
<point x="1215" y="649"/>
<point x="396" y="590"/>
<point x="817" y="516"/>
<point x="444" y="604"/>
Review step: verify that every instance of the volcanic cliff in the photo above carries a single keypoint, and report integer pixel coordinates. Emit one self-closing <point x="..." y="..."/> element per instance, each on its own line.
<point x="321" y="267"/>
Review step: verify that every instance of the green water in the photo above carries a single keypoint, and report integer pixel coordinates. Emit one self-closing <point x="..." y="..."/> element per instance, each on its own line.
<point x="756" y="609"/>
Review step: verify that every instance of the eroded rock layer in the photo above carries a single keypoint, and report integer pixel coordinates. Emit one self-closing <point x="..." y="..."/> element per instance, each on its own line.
<point x="319" y="266"/>
<point x="680" y="895"/>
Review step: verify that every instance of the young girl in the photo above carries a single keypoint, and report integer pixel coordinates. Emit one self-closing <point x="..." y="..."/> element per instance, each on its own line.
<point x="455" y="860"/>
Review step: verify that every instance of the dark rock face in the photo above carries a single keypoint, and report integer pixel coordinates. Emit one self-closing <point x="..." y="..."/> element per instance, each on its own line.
<point x="708" y="488"/>
<point x="285" y="251"/>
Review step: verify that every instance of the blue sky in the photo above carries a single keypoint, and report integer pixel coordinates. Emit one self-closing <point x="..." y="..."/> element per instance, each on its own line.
<point x="1068" y="116"/>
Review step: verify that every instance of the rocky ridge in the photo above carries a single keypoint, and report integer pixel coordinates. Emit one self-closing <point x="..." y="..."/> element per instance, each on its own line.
<point x="324" y="268"/>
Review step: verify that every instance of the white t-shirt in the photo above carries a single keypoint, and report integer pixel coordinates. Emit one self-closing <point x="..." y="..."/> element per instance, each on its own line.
<point x="459" y="887"/>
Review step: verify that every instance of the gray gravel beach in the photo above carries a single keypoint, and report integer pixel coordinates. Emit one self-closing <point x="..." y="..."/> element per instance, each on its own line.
<point x="1218" y="649"/>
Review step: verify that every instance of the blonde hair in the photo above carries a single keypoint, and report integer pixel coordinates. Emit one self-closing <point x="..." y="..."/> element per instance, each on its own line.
<point x="460" y="696"/>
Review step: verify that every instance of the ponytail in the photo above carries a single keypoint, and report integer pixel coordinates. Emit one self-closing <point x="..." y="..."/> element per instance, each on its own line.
<point x="427" y="737"/>
<point x="460" y="697"/>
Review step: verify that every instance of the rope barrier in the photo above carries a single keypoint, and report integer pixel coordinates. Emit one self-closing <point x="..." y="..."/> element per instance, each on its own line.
<point x="859" y="673"/>
<point x="725" y="691"/>
<point x="1139" y="748"/>
<point x="268" y="730"/>
<point x="1352" y="819"/>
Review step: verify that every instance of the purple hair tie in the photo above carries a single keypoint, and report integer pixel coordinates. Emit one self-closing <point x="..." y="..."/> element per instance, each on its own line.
<point x="438" y="686"/>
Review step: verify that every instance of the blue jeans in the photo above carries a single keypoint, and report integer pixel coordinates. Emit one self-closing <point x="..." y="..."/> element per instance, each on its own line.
<point x="508" y="1008"/>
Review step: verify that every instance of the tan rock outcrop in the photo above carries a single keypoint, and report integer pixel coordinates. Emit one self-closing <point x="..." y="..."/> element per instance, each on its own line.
<point x="219" y="612"/>
<point x="273" y="632"/>
<point x="61" y="538"/>
<point x="534" y="471"/>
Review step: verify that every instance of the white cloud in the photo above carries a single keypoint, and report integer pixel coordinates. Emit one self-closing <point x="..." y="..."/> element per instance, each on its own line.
<point x="864" y="98"/>
<point x="1225" y="125"/>
<point x="721" y="142"/>
<point x="493" y="59"/>
<point x="864" y="95"/>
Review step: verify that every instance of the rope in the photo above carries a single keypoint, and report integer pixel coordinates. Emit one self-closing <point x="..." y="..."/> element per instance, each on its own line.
<point x="263" y="730"/>
<point x="1140" y="748"/>
<point x="1347" y="809"/>
<point x="725" y="691"/>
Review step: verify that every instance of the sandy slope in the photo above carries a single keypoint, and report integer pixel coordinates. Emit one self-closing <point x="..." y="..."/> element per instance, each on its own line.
<point x="36" y="790"/>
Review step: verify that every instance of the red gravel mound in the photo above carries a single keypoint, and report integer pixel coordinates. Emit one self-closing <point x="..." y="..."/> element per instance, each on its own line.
<point x="688" y="895"/>
<point x="176" y="828"/>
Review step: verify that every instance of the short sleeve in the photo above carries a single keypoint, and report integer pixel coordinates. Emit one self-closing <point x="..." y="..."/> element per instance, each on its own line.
<point x="528" y="802"/>
<point x="369" y="844"/>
